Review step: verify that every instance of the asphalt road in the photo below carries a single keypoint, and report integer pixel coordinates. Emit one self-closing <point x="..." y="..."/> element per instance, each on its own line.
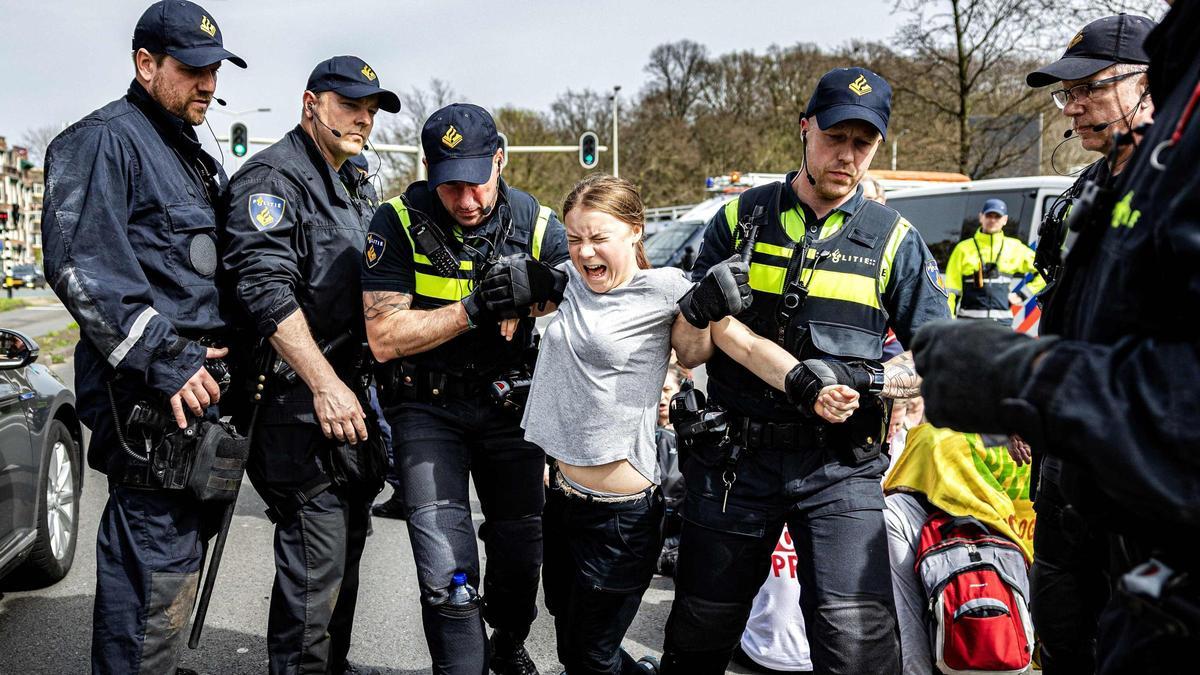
<point x="39" y="319"/>
<point x="49" y="630"/>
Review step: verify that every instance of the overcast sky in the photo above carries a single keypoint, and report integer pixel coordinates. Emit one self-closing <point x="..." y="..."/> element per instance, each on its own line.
<point x="61" y="59"/>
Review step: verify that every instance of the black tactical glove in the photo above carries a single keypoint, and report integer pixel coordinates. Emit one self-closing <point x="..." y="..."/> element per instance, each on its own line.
<point x="973" y="373"/>
<point x="477" y="312"/>
<point x="724" y="291"/>
<point x="518" y="281"/>
<point x="806" y="379"/>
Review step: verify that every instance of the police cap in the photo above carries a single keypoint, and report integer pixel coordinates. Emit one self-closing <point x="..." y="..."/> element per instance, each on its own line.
<point x="351" y="77"/>
<point x="459" y="142"/>
<point x="1101" y="43"/>
<point x="851" y="94"/>
<point x="184" y="31"/>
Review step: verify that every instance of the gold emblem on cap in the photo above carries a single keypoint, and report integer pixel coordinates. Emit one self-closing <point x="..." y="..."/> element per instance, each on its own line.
<point x="207" y="26"/>
<point x="451" y="138"/>
<point x="1075" y="40"/>
<point x="368" y="73"/>
<point x="860" y="86"/>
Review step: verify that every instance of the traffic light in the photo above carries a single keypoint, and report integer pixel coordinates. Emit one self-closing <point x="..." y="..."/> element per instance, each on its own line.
<point x="504" y="148"/>
<point x="589" y="154"/>
<point x="239" y="139"/>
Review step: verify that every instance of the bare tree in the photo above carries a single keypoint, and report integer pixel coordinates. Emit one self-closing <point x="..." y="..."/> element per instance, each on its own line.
<point x="405" y="129"/>
<point x="37" y="139"/>
<point x="574" y="112"/>
<point x="676" y="75"/>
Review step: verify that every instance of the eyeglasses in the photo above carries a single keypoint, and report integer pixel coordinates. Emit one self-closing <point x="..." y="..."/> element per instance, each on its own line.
<point x="1082" y="92"/>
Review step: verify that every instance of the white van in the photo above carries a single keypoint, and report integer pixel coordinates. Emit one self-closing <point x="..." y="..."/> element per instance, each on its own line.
<point x="947" y="214"/>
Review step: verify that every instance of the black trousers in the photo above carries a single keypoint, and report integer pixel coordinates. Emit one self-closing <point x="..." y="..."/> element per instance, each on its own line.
<point x="149" y="549"/>
<point x="834" y="510"/>
<point x="439" y="448"/>
<point x="1069" y="581"/>
<point x="600" y="558"/>
<point x="317" y="552"/>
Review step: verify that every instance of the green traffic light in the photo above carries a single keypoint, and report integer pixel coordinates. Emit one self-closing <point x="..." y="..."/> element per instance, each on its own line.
<point x="587" y="158"/>
<point x="239" y="150"/>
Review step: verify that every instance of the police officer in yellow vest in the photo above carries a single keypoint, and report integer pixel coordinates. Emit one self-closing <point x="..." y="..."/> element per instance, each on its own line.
<point x="446" y="370"/>
<point x="983" y="271"/>
<point x="831" y="273"/>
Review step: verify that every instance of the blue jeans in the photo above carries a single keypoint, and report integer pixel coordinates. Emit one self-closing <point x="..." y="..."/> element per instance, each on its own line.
<point x="600" y="558"/>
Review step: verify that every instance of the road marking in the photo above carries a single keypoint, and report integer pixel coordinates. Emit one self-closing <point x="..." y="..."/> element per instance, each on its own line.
<point x="58" y="308"/>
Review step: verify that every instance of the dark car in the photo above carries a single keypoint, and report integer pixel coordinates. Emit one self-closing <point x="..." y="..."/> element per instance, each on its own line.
<point x="676" y="245"/>
<point x="41" y="468"/>
<point x="30" y="276"/>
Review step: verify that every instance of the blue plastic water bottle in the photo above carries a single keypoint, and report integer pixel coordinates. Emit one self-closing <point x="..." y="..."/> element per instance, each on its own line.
<point x="461" y="593"/>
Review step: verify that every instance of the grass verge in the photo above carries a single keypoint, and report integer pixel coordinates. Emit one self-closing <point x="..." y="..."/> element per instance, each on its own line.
<point x="60" y="343"/>
<point x="9" y="304"/>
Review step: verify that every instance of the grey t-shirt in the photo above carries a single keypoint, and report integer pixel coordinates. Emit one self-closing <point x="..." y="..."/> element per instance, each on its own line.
<point x="600" y="371"/>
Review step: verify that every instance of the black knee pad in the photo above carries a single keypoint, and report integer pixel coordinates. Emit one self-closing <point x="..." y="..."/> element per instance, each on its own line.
<point x="855" y="635"/>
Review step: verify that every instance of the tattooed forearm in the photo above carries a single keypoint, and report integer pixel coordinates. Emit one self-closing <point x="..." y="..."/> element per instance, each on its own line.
<point x="382" y="304"/>
<point x="900" y="379"/>
<point x="395" y="329"/>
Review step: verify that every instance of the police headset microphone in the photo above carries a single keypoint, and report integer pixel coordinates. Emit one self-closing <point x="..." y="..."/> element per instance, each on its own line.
<point x="808" y="174"/>
<point x="1097" y="128"/>
<point x="335" y="132"/>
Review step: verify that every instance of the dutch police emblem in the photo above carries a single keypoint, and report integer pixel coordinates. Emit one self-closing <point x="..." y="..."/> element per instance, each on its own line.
<point x="375" y="247"/>
<point x="936" y="278"/>
<point x="266" y="210"/>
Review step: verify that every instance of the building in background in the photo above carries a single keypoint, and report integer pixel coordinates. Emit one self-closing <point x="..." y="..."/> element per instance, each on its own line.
<point x="22" y="185"/>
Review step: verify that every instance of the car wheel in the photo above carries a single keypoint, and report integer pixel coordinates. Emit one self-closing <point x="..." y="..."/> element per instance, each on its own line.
<point x="58" y="510"/>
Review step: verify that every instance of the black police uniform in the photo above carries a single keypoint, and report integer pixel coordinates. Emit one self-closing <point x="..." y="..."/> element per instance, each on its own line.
<point x="129" y="230"/>
<point x="1115" y="395"/>
<point x="873" y="272"/>
<point x="1069" y="583"/>
<point x="296" y="230"/>
<point x="445" y="424"/>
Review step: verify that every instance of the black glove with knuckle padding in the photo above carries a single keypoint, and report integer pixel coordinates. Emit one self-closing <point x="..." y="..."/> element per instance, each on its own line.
<point x="517" y="282"/>
<point x="724" y="291"/>
<point x="806" y="379"/>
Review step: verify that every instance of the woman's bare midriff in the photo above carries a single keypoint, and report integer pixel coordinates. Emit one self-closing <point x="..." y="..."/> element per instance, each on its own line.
<point x="618" y="477"/>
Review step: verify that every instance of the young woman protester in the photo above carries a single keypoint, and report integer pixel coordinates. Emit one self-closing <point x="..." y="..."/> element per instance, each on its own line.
<point x="593" y="407"/>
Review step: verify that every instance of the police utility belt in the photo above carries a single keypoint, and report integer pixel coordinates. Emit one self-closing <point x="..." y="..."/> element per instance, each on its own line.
<point x="207" y="459"/>
<point x="409" y="382"/>
<point x="697" y="421"/>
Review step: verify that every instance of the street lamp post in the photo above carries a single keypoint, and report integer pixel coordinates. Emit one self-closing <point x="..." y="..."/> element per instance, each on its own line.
<point x="616" y="111"/>
<point x="895" y="144"/>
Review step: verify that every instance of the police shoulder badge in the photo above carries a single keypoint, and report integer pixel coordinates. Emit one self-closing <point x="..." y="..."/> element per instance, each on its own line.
<point x="266" y="210"/>
<point x="935" y="277"/>
<point x="375" y="248"/>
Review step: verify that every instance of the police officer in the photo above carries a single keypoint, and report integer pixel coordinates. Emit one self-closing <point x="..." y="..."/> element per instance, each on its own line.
<point x="1101" y="87"/>
<point x="443" y="349"/>
<point x="1111" y="393"/>
<point x="297" y="220"/>
<point x="831" y="272"/>
<point x="984" y="269"/>
<point x="129" y="229"/>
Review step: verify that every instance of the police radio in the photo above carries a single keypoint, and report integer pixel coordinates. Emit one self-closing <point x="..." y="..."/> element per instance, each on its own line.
<point x="432" y="240"/>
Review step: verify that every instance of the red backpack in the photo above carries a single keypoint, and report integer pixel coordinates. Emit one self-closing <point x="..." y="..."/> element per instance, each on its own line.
<point x="978" y="585"/>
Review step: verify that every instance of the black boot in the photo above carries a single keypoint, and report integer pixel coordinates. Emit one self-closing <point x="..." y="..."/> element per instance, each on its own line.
<point x="509" y="656"/>
<point x="394" y="507"/>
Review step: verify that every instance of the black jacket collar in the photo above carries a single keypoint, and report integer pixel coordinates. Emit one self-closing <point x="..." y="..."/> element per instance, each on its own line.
<point x="173" y="130"/>
<point x="336" y="182"/>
